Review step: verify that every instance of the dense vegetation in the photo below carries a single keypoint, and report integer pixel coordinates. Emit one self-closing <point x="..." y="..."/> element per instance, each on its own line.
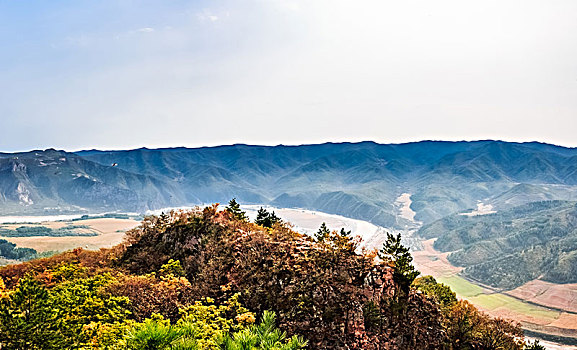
<point x="109" y="216"/>
<point x="8" y="250"/>
<point x="209" y="279"/>
<point x="32" y="231"/>
<point x="511" y="247"/>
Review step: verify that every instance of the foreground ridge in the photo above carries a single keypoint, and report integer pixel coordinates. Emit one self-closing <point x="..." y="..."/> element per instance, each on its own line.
<point x="202" y="279"/>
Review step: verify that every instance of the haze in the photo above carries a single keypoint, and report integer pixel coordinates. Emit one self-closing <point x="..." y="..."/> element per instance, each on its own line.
<point x="125" y="74"/>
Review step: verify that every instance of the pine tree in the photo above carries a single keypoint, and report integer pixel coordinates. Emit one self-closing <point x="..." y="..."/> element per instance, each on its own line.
<point x="322" y="233"/>
<point x="266" y="219"/>
<point x="344" y="233"/>
<point x="154" y="334"/>
<point x="274" y="219"/>
<point x="404" y="272"/>
<point x="28" y="320"/>
<point x="262" y="217"/>
<point x="534" y="346"/>
<point x="234" y="208"/>
<point x="263" y="336"/>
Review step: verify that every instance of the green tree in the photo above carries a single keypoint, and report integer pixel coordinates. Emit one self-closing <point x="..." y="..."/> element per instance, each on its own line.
<point x="207" y="323"/>
<point x="468" y="328"/>
<point x="28" y="320"/>
<point x="263" y="336"/>
<point x="322" y="233"/>
<point x="344" y="233"/>
<point x="10" y="251"/>
<point x="439" y="291"/>
<point x="84" y="306"/>
<point x="534" y="346"/>
<point x="399" y="256"/>
<point x="266" y="219"/>
<point x="153" y="334"/>
<point x="234" y="208"/>
<point x="70" y="315"/>
<point x="172" y="268"/>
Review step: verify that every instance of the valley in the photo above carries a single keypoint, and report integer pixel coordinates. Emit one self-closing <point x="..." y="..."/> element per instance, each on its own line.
<point x="288" y="175"/>
<point x="501" y="214"/>
<point x="545" y="320"/>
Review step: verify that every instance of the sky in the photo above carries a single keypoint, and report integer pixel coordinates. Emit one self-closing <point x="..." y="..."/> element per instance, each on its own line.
<point x="120" y="74"/>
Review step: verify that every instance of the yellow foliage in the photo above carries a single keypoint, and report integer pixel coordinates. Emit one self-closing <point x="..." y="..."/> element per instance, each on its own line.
<point x="208" y="322"/>
<point x="3" y="291"/>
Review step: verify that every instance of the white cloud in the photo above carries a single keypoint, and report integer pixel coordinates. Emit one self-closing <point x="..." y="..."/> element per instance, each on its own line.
<point x="145" y="30"/>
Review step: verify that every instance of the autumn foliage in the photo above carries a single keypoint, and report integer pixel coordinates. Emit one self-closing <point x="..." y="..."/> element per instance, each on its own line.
<point x="178" y="272"/>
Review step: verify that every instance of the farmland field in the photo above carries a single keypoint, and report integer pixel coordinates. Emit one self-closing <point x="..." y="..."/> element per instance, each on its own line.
<point x="535" y="316"/>
<point x="110" y="232"/>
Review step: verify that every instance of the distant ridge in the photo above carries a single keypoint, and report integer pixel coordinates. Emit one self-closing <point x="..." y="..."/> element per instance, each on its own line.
<point x="361" y="180"/>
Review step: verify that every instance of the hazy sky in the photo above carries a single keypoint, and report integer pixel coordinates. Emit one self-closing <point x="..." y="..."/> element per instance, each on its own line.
<point x="110" y="74"/>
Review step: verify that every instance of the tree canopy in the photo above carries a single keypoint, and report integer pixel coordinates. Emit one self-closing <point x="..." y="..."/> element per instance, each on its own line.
<point x="234" y="209"/>
<point x="266" y="219"/>
<point x="201" y="279"/>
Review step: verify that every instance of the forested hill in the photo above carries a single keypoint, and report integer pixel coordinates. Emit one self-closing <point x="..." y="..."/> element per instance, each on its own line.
<point x="509" y="248"/>
<point x="210" y="279"/>
<point x="358" y="180"/>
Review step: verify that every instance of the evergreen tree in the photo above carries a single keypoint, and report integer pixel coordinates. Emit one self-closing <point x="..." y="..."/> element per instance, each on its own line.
<point x="234" y="208"/>
<point x="263" y="336"/>
<point x="534" y="346"/>
<point x="28" y="320"/>
<point x="261" y="217"/>
<point x="322" y="233"/>
<point x="266" y="219"/>
<point x="404" y="272"/>
<point x="344" y="233"/>
<point x="154" y="334"/>
<point x="440" y="292"/>
<point x="274" y="219"/>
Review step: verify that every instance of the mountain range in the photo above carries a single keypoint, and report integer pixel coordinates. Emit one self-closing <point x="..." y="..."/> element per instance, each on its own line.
<point x="359" y="180"/>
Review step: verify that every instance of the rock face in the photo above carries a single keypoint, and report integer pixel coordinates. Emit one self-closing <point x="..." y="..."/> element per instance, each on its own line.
<point x="23" y="194"/>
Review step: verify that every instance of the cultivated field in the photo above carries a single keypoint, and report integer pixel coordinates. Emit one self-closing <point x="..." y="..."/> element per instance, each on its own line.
<point x="559" y="296"/>
<point x="110" y="232"/>
<point x="524" y="304"/>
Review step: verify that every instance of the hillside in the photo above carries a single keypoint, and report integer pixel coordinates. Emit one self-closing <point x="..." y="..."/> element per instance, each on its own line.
<point x="58" y="182"/>
<point x="511" y="247"/>
<point x="209" y="279"/>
